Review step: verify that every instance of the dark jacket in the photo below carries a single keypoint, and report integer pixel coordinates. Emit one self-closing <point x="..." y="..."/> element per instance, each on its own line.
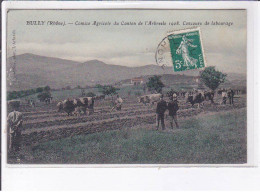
<point x="231" y="93"/>
<point x="173" y="107"/>
<point x="161" y="107"/>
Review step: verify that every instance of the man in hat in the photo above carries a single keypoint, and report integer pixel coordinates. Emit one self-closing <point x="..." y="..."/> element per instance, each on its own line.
<point x="160" y="110"/>
<point x="173" y="108"/>
<point x="14" y="127"/>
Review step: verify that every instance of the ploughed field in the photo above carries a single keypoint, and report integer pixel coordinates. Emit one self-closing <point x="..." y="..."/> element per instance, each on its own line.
<point x="44" y="123"/>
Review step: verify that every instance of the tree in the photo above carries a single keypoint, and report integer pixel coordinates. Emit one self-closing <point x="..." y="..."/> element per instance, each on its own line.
<point x="38" y="90"/>
<point x="212" y="78"/>
<point x="90" y="94"/>
<point x="47" y="88"/>
<point x="108" y="90"/>
<point x="44" y="95"/>
<point x="155" y="84"/>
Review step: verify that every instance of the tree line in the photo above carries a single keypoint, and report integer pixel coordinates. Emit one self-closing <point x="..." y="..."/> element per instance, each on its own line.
<point x="23" y="93"/>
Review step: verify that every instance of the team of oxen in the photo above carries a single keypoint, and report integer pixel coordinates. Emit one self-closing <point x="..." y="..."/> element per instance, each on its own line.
<point x="77" y="105"/>
<point x="193" y="97"/>
<point x="86" y="104"/>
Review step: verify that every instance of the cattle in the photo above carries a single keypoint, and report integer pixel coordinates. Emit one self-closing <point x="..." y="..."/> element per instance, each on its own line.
<point x="60" y="106"/>
<point x="67" y="106"/>
<point x="209" y="96"/>
<point x="150" y="98"/>
<point x="81" y="104"/>
<point x="196" y="98"/>
<point x="77" y="105"/>
<point x="48" y="100"/>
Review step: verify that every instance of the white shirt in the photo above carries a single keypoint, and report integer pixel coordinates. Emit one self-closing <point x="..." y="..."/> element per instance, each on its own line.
<point x="14" y="119"/>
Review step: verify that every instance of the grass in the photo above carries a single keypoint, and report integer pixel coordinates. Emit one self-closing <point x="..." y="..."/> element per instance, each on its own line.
<point x="204" y="139"/>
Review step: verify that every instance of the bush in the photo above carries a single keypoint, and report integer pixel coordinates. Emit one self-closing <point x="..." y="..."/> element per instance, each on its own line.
<point x="44" y="95"/>
<point x="90" y="94"/>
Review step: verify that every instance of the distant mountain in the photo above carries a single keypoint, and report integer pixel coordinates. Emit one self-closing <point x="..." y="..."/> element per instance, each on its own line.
<point x="34" y="71"/>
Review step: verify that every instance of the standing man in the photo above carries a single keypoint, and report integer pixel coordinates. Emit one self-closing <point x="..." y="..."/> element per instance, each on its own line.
<point x="231" y="94"/>
<point x="14" y="127"/>
<point x="173" y="108"/>
<point x="224" y="96"/>
<point x="160" y="110"/>
<point x="91" y="102"/>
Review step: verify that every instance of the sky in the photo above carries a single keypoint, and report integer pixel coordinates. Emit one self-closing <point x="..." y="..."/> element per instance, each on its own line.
<point x="127" y="45"/>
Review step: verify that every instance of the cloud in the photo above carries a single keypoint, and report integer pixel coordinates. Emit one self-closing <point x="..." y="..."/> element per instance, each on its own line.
<point x="224" y="46"/>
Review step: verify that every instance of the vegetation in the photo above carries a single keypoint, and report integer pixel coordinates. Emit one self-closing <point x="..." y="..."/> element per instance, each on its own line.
<point x="155" y="84"/>
<point x="212" y="78"/>
<point x="108" y="90"/>
<point x="212" y="139"/>
<point x="44" y="94"/>
<point x="23" y="93"/>
<point x="90" y="94"/>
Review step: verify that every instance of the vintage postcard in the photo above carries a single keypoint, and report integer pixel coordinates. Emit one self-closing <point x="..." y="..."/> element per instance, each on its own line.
<point x="126" y="87"/>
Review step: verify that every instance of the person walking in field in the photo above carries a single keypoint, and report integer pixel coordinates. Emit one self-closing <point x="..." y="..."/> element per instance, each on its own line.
<point x="224" y="97"/>
<point x="14" y="130"/>
<point x="160" y="110"/>
<point x="173" y="108"/>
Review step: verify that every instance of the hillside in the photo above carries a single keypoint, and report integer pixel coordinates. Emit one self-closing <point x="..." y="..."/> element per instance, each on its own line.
<point x="34" y="71"/>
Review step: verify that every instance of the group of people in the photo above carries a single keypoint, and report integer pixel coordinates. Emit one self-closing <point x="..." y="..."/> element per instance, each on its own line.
<point x="161" y="108"/>
<point x="228" y="93"/>
<point x="14" y="120"/>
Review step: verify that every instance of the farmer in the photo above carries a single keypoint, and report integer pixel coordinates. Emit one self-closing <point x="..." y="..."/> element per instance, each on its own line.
<point x="160" y="110"/>
<point x="231" y="94"/>
<point x="173" y="108"/>
<point x="118" y="103"/>
<point x="14" y="128"/>
<point x="224" y="96"/>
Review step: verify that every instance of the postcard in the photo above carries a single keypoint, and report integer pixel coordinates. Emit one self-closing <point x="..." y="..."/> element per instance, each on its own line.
<point x="126" y="86"/>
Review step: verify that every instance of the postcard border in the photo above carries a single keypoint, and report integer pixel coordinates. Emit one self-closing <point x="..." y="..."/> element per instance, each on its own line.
<point x="251" y="139"/>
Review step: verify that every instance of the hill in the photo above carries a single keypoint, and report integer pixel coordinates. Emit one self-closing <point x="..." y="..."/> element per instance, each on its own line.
<point x="34" y="71"/>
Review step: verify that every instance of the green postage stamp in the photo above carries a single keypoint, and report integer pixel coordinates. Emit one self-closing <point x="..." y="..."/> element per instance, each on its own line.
<point x="186" y="49"/>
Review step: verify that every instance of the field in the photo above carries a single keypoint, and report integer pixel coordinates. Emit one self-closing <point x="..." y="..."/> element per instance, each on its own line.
<point x="211" y="134"/>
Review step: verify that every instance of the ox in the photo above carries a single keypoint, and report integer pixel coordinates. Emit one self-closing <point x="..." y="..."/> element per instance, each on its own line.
<point x="196" y="98"/>
<point x="84" y="103"/>
<point x="81" y="104"/>
<point x="209" y="96"/>
<point x="78" y="105"/>
<point x="66" y="105"/>
<point x="150" y="98"/>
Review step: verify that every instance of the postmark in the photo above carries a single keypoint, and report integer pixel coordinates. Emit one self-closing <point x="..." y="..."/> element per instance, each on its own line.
<point x="162" y="54"/>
